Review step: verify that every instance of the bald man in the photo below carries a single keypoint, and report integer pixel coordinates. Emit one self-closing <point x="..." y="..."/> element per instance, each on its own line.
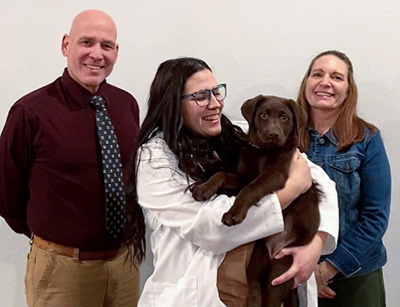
<point x="51" y="176"/>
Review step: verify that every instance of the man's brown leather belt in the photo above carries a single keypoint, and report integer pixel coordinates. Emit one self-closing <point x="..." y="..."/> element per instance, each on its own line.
<point x="74" y="252"/>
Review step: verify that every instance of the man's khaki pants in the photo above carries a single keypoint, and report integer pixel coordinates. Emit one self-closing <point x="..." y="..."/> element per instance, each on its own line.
<point x="53" y="280"/>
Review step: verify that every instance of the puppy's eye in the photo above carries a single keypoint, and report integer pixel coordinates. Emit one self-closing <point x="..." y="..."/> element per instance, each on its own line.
<point x="263" y="115"/>
<point x="284" y="118"/>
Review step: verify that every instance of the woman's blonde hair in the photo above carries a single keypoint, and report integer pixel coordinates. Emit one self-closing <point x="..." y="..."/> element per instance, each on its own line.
<point x="348" y="128"/>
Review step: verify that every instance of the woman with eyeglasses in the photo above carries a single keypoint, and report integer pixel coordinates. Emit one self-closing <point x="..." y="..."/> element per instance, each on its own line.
<point x="352" y="153"/>
<point x="184" y="139"/>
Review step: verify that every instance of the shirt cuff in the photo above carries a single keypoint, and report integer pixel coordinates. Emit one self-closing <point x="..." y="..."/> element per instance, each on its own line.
<point x="344" y="261"/>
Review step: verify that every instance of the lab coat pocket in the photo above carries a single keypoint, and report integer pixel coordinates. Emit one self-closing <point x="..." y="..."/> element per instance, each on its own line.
<point x="183" y="293"/>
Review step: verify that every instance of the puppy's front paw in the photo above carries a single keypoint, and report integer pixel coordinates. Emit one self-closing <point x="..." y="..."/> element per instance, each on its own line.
<point x="203" y="192"/>
<point x="233" y="217"/>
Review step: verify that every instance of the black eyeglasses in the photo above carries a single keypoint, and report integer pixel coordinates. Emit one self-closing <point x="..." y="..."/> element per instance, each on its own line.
<point x="203" y="97"/>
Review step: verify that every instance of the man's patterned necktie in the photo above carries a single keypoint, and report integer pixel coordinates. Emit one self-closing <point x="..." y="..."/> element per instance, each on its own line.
<point x="112" y="168"/>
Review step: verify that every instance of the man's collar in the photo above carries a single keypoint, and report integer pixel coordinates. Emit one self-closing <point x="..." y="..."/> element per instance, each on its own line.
<point x="78" y="93"/>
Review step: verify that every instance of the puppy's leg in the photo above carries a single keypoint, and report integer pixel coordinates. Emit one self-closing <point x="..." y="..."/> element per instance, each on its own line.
<point x="263" y="185"/>
<point x="292" y="299"/>
<point x="256" y="272"/>
<point x="220" y="180"/>
<point x="274" y="296"/>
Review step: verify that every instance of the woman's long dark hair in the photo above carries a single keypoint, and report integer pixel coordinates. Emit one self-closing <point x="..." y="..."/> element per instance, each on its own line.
<point x="198" y="157"/>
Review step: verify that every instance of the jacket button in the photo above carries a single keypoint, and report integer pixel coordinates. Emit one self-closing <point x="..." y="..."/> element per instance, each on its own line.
<point x="322" y="141"/>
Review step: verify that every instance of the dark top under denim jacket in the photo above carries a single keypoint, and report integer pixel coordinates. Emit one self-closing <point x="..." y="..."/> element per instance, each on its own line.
<point x="363" y="183"/>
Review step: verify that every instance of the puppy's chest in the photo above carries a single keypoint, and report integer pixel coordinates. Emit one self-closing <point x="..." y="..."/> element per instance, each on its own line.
<point x="254" y="162"/>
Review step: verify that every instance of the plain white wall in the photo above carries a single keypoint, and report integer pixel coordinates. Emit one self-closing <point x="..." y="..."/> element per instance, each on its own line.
<point x="254" y="46"/>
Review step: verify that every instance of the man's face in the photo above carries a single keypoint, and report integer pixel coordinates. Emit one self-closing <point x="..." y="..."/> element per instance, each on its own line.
<point x="91" y="49"/>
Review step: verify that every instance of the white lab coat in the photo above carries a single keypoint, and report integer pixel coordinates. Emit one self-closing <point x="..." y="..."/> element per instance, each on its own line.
<point x="188" y="240"/>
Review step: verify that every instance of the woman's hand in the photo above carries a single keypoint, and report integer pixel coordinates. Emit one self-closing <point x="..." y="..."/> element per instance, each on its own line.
<point x="299" y="173"/>
<point x="324" y="273"/>
<point x="305" y="260"/>
<point x="299" y="180"/>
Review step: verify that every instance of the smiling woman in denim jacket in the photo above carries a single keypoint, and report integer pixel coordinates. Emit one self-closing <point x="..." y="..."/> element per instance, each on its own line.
<point x="351" y="151"/>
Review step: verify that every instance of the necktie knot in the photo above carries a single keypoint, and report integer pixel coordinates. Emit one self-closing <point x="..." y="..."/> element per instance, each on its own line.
<point x="98" y="102"/>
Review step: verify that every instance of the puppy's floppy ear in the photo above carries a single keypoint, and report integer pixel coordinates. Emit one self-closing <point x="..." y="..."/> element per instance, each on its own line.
<point x="249" y="106"/>
<point x="301" y="120"/>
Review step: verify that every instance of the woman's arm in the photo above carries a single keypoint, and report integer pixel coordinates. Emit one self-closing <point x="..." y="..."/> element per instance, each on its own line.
<point x="306" y="257"/>
<point x="367" y="232"/>
<point x="328" y="207"/>
<point x="299" y="181"/>
<point x="163" y="193"/>
<point x="363" y="237"/>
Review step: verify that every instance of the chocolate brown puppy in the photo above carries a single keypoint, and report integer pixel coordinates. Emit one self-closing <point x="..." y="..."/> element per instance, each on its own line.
<point x="274" y="125"/>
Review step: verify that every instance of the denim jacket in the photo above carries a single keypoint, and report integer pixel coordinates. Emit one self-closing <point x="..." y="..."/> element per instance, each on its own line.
<point x="363" y="183"/>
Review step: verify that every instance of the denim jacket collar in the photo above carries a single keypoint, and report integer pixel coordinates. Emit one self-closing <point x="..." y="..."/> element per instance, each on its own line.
<point x="329" y="135"/>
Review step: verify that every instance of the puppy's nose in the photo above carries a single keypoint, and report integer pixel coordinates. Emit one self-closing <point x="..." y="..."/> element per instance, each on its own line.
<point x="273" y="134"/>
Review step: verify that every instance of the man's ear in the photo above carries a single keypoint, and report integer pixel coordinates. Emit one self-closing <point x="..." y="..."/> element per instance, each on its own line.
<point x="116" y="51"/>
<point x="65" y="44"/>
